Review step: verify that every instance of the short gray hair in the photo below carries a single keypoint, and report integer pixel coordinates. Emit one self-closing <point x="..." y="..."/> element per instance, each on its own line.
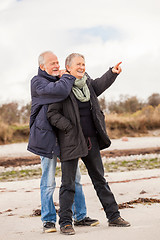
<point x="70" y="58"/>
<point x="41" y="60"/>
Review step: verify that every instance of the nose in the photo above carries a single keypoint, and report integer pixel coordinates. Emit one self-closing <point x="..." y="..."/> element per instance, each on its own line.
<point x="57" y="65"/>
<point x="82" y="66"/>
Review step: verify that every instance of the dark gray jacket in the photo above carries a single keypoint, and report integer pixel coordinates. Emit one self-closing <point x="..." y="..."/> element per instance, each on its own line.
<point x="65" y="116"/>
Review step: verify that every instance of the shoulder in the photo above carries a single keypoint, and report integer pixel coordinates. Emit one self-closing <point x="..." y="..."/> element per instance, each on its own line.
<point x="89" y="79"/>
<point x="38" y="79"/>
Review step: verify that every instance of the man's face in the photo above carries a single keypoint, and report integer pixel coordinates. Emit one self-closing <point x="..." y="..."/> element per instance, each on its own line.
<point x="77" y="68"/>
<point x="51" y="65"/>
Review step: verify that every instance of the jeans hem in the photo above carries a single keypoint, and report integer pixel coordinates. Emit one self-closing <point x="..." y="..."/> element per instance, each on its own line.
<point x="78" y="220"/>
<point x="49" y="221"/>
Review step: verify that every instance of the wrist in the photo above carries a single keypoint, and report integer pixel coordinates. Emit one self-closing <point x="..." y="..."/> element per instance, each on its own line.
<point x="114" y="70"/>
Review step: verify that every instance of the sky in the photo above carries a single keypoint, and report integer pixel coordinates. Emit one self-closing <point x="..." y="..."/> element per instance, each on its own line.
<point x="104" y="31"/>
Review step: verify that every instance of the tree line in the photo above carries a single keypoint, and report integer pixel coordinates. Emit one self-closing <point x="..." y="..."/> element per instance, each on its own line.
<point x="12" y="113"/>
<point x="127" y="104"/>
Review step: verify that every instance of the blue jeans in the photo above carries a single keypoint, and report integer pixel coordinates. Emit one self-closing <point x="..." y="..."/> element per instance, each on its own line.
<point x="47" y="187"/>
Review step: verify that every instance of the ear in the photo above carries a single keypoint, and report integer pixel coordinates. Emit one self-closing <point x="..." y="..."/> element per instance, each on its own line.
<point x="42" y="67"/>
<point x="68" y="69"/>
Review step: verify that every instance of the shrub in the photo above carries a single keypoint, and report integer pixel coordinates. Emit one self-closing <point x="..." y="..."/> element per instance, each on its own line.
<point x="134" y="124"/>
<point x="6" y="133"/>
<point x="154" y="99"/>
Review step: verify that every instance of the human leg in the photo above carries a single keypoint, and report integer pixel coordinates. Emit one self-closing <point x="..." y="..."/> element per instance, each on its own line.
<point x="67" y="191"/>
<point x="79" y="205"/>
<point x="95" y="169"/>
<point x="47" y="187"/>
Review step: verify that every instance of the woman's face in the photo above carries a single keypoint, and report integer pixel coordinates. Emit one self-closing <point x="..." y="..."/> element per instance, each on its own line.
<point x="77" y="68"/>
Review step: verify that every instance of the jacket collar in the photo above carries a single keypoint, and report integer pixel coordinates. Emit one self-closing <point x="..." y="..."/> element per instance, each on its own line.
<point x="47" y="76"/>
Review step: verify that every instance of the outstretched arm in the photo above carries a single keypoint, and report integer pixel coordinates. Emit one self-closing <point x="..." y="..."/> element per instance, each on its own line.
<point x="104" y="82"/>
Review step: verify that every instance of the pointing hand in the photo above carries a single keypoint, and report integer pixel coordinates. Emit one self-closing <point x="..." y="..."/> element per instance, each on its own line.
<point x="117" y="69"/>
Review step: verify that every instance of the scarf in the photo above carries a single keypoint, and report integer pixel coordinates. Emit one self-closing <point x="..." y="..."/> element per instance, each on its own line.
<point x="81" y="90"/>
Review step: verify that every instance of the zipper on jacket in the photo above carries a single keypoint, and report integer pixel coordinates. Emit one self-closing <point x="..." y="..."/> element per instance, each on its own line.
<point x="91" y="105"/>
<point x="56" y="142"/>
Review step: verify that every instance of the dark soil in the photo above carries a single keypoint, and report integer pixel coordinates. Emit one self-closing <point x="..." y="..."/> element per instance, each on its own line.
<point x="25" y="161"/>
<point x="19" y="161"/>
<point x="128" y="152"/>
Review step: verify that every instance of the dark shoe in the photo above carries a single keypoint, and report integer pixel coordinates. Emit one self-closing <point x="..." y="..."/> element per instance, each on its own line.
<point x="67" y="230"/>
<point x="49" y="227"/>
<point x="87" y="221"/>
<point x="119" y="222"/>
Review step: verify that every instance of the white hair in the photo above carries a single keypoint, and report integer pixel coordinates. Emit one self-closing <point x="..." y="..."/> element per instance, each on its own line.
<point x="70" y="58"/>
<point x="41" y="58"/>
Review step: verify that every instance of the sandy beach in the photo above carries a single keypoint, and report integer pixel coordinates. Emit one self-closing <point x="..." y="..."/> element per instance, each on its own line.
<point x="20" y="149"/>
<point x="18" y="199"/>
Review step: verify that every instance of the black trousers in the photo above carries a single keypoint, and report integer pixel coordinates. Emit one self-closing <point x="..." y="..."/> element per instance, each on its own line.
<point x="94" y="165"/>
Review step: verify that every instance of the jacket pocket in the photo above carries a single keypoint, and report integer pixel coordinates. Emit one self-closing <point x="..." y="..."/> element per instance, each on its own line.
<point x="43" y="140"/>
<point x="67" y="138"/>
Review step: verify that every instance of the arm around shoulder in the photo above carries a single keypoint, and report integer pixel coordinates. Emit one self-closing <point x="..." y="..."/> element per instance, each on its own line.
<point x="59" y="89"/>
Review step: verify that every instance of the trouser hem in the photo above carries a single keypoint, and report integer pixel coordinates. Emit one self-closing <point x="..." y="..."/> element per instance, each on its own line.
<point x="113" y="219"/>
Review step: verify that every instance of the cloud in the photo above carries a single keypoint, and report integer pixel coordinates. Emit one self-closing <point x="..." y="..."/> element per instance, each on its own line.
<point x="86" y="35"/>
<point x="105" y="32"/>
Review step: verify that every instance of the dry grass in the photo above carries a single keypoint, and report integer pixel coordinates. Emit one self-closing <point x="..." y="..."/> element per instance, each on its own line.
<point x="13" y="134"/>
<point x="136" y="124"/>
<point x="118" y="125"/>
<point x="6" y="133"/>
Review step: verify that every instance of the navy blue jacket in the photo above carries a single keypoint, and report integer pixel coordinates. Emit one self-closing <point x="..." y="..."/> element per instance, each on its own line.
<point x="46" y="89"/>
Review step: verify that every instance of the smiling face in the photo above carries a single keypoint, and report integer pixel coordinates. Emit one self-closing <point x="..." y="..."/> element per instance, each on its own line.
<point x="51" y="64"/>
<point x="77" y="67"/>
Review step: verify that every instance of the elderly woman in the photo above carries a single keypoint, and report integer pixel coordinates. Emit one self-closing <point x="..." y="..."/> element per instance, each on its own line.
<point x="82" y="134"/>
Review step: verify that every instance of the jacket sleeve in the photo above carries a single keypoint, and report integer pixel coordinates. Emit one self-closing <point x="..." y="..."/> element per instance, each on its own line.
<point x="56" y="117"/>
<point x="101" y="84"/>
<point x="58" y="90"/>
